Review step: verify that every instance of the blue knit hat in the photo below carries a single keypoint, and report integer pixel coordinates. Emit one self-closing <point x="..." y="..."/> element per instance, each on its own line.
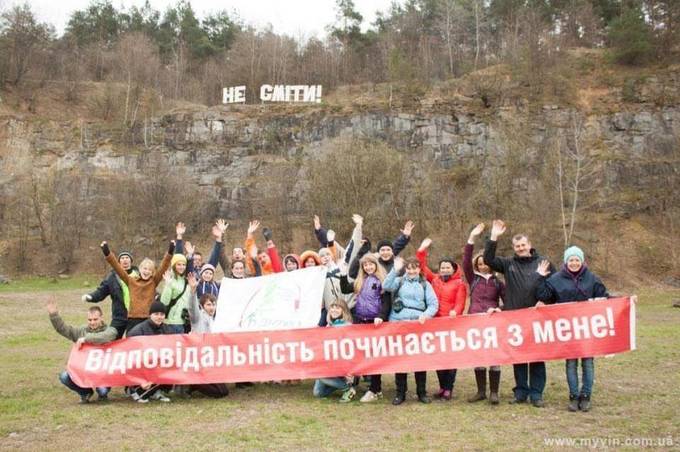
<point x="574" y="251"/>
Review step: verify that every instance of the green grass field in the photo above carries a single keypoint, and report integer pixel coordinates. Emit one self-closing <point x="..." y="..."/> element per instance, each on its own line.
<point x="635" y="399"/>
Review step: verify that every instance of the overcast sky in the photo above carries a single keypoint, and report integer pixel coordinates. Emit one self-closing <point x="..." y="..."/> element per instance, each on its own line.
<point x="294" y="17"/>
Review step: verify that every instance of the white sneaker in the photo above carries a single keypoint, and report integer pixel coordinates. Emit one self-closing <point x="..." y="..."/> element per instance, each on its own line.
<point x="141" y="400"/>
<point x="370" y="396"/>
<point x="134" y="396"/>
<point x="158" y="395"/>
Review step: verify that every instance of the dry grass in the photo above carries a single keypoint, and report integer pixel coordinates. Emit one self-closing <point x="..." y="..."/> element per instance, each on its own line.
<point x="635" y="396"/>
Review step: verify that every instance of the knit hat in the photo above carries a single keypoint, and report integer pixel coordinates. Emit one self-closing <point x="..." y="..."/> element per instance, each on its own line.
<point x="573" y="251"/>
<point x="125" y="253"/>
<point x="207" y="267"/>
<point x="178" y="258"/>
<point x="156" y="306"/>
<point x="384" y="243"/>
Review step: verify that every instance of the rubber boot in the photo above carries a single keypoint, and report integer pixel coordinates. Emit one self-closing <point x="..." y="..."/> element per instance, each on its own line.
<point x="494" y="385"/>
<point x="480" y="376"/>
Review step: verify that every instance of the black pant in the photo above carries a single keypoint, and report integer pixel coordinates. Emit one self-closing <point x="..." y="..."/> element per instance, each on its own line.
<point x="131" y="323"/>
<point x="120" y="330"/>
<point x="421" y="383"/>
<point x="215" y="390"/>
<point x="447" y="378"/>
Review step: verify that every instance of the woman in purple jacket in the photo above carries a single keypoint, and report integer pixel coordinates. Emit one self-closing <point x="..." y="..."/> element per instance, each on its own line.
<point x="371" y="305"/>
<point x="486" y="295"/>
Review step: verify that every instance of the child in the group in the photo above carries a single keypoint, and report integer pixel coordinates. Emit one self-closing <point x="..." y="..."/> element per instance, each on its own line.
<point x="575" y="282"/>
<point x="143" y="289"/>
<point x="207" y="284"/>
<point x="414" y="299"/>
<point x="486" y="295"/>
<point x="371" y="305"/>
<point x="291" y="262"/>
<point x="451" y="293"/>
<point x="338" y="315"/>
<point x="202" y="314"/>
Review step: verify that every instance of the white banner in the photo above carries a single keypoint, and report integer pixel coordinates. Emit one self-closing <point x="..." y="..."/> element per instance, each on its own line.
<point x="280" y="301"/>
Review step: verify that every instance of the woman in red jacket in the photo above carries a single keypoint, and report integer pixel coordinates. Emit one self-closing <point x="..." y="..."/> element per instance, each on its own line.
<point x="451" y="292"/>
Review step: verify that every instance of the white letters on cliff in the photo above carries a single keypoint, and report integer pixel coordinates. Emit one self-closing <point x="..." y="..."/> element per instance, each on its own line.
<point x="275" y="93"/>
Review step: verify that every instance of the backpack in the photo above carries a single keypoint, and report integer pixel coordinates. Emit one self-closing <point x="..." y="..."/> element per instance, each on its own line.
<point x="478" y="278"/>
<point x="398" y="305"/>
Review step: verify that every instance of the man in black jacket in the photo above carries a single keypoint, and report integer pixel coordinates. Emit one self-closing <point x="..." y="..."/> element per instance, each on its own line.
<point x="521" y="281"/>
<point x="113" y="287"/>
<point x="152" y="326"/>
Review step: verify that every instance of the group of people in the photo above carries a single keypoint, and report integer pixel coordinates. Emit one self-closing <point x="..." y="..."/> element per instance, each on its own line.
<point x="364" y="284"/>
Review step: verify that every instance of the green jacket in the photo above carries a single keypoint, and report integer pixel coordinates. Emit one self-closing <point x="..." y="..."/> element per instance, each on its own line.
<point x="171" y="291"/>
<point x="101" y="335"/>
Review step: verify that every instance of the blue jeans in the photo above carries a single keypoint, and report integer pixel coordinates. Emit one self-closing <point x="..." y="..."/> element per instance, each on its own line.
<point x="65" y="379"/>
<point x="588" y="369"/>
<point x="176" y="329"/>
<point x="323" y="387"/>
<point x="529" y="380"/>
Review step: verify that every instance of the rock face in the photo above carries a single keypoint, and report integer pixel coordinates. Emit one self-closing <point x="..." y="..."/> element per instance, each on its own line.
<point x="220" y="151"/>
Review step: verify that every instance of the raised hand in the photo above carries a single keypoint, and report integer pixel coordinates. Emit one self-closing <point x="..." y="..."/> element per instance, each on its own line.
<point x="408" y="228"/>
<point x="425" y="244"/>
<point x="477" y="230"/>
<point x="543" y="268"/>
<point x="497" y="229"/>
<point x="398" y="263"/>
<point x="191" y="280"/>
<point x="167" y="276"/>
<point x="252" y="226"/>
<point x="357" y="219"/>
<point x="317" y="222"/>
<point x="222" y="225"/>
<point x="52" y="305"/>
<point x="180" y="229"/>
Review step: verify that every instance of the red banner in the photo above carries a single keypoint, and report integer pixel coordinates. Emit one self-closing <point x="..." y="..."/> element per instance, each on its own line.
<point x="569" y="330"/>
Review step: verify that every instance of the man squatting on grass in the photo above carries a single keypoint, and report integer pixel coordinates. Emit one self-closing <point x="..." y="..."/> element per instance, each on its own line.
<point x="95" y="332"/>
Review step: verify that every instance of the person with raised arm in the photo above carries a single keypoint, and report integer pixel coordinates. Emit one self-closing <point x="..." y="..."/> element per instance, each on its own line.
<point x="95" y="332"/>
<point x="573" y="283"/>
<point x="521" y="281"/>
<point x="486" y="295"/>
<point x="386" y="249"/>
<point x="414" y="299"/>
<point x="451" y="293"/>
<point x="142" y="289"/>
<point x="114" y="287"/>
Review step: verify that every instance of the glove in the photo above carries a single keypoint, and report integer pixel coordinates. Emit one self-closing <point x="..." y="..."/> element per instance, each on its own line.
<point x="105" y="249"/>
<point x="267" y="233"/>
<point x="171" y="247"/>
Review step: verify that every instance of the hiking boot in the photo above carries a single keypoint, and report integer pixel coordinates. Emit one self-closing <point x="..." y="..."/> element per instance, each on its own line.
<point x="538" y="403"/>
<point x="85" y="398"/>
<point x="102" y="398"/>
<point x="573" y="403"/>
<point x="494" y="385"/>
<point x="516" y="401"/>
<point x="584" y="403"/>
<point x="480" y="378"/>
<point x="399" y="399"/>
<point x="424" y="398"/>
<point x="158" y="395"/>
<point x="446" y="395"/>
<point x="370" y="396"/>
<point x="348" y="395"/>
